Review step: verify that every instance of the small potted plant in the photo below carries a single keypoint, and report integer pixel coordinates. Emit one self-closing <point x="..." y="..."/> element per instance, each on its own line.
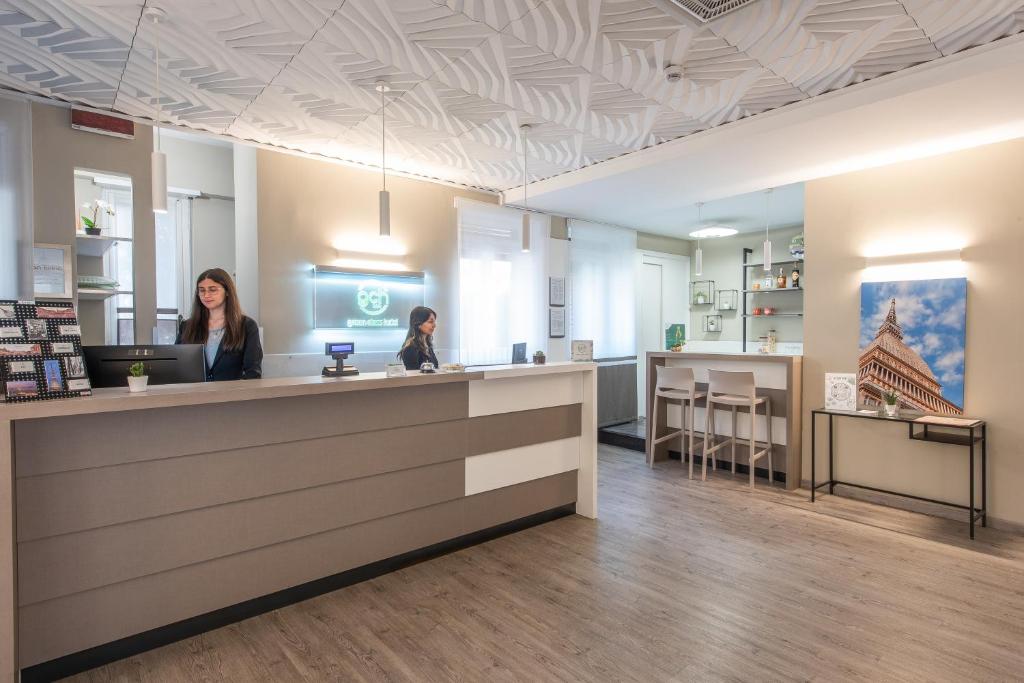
<point x="891" y="402"/>
<point x="539" y="358"/>
<point x="91" y="221"/>
<point x="137" y="377"/>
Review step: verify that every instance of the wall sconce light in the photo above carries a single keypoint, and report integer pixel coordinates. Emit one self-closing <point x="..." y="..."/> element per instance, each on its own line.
<point x="931" y="265"/>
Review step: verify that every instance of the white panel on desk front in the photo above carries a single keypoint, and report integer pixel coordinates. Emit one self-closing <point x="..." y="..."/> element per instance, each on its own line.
<point x="504" y="468"/>
<point x="767" y="375"/>
<point x="513" y="394"/>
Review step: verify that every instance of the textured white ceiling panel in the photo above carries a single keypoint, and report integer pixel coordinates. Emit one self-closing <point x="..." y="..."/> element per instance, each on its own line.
<point x="588" y="75"/>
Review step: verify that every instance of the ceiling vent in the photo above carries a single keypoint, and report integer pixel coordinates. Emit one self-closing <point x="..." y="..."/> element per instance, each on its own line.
<point x="709" y="10"/>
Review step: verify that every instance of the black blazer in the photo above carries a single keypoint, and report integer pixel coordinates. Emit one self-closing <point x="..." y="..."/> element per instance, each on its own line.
<point x="244" y="363"/>
<point x="413" y="357"/>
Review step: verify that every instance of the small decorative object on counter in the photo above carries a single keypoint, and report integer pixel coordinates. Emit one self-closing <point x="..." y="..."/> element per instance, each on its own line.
<point x="137" y="377"/>
<point x="794" y="277"/>
<point x="780" y="281"/>
<point x="539" y="358"/>
<point x="892" y="407"/>
<point x="773" y="340"/>
<point x="427" y="368"/>
<point x="762" y="343"/>
<point x="675" y="337"/>
<point x="394" y="369"/>
<point x="451" y="367"/>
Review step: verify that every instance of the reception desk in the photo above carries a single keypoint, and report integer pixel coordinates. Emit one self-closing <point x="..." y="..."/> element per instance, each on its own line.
<point x="140" y="514"/>
<point x="776" y="376"/>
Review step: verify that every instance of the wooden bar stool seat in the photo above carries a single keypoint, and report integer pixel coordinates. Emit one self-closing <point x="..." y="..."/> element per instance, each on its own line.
<point x="675" y="384"/>
<point x="735" y="390"/>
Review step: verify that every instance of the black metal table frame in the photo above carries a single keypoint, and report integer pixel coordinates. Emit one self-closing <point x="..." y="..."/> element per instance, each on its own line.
<point x="969" y="440"/>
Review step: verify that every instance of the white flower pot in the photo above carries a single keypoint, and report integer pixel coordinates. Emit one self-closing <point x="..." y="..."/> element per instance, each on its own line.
<point x="136" y="384"/>
<point x="891" y="410"/>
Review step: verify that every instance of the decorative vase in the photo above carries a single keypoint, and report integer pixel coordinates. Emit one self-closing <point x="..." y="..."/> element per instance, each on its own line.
<point x="891" y="409"/>
<point x="137" y="384"/>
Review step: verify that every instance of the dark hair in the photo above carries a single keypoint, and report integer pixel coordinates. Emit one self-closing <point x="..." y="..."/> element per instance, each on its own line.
<point x="197" y="327"/>
<point x="417" y="317"/>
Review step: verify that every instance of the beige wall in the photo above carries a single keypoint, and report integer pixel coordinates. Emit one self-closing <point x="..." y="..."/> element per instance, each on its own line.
<point x="973" y="198"/>
<point x="306" y="205"/>
<point x="662" y="244"/>
<point x="723" y="259"/>
<point x="57" y="150"/>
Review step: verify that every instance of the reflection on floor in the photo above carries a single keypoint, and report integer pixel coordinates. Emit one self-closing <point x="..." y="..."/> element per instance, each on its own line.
<point x="677" y="580"/>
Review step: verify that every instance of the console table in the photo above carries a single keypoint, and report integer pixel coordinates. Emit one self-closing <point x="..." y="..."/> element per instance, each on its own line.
<point x="966" y="432"/>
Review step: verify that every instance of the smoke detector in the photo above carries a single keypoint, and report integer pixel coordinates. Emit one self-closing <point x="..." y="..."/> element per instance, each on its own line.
<point x="673" y="73"/>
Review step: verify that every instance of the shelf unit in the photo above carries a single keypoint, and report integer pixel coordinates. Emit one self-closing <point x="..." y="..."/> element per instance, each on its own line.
<point x="96" y="245"/>
<point x="746" y="315"/>
<point x="95" y="294"/>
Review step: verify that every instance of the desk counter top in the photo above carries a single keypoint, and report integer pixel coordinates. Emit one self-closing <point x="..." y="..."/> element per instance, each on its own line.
<point x="754" y="356"/>
<point x="171" y="395"/>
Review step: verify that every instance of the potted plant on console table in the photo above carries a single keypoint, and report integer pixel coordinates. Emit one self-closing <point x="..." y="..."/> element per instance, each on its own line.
<point x="137" y="377"/>
<point x="891" y="403"/>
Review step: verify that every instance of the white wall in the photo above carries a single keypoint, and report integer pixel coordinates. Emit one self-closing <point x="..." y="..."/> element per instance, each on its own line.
<point x="16" y="199"/>
<point x="247" y="248"/>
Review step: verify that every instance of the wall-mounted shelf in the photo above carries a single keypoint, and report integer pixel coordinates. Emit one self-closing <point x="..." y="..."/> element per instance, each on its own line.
<point x="86" y="294"/>
<point x="96" y="245"/>
<point x="702" y="293"/>
<point x="774" y="315"/>
<point x="771" y="290"/>
<point x="777" y="263"/>
<point x="727" y="300"/>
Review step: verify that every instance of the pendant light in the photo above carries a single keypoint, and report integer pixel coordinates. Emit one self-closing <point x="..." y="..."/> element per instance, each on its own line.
<point x="385" y="198"/>
<point x="767" y="242"/>
<point x="158" y="160"/>
<point x="700" y="254"/>
<point x="525" y="128"/>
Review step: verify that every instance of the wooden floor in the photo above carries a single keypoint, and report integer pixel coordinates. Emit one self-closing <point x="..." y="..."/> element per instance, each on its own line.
<point x="676" y="581"/>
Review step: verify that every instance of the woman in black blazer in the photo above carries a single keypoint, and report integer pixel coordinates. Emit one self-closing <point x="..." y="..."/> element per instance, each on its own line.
<point x="419" y="340"/>
<point x="232" y="340"/>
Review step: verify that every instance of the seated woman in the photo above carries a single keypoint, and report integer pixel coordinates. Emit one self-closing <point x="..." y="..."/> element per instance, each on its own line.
<point x="233" y="349"/>
<point x="419" y="341"/>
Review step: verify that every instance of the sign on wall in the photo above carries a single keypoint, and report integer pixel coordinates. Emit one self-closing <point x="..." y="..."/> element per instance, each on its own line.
<point x="363" y="300"/>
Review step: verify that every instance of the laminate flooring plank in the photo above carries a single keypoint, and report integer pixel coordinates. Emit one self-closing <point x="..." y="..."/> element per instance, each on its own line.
<point x="678" y="580"/>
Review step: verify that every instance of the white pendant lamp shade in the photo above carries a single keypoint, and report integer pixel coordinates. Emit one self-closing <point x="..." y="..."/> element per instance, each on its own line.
<point x="699" y="257"/>
<point x="385" y="196"/>
<point x="767" y="241"/>
<point x="699" y="260"/>
<point x="525" y="128"/>
<point x="158" y="170"/>
<point x="767" y="256"/>
<point x="385" y="213"/>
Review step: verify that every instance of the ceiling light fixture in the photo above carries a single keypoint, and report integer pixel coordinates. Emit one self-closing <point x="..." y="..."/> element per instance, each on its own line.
<point x="525" y="128"/>
<point x="385" y="198"/>
<point x="714" y="231"/>
<point x="158" y="160"/>
<point x="700" y="254"/>
<point x="767" y="242"/>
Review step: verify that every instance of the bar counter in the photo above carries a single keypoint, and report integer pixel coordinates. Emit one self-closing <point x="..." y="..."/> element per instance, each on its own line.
<point x="135" y="514"/>
<point x="777" y="376"/>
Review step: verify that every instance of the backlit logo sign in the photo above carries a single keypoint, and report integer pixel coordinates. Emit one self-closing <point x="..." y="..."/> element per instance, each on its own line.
<point x="372" y="298"/>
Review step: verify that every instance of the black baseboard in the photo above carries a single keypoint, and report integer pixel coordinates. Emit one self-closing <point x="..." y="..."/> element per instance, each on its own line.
<point x="726" y="465"/>
<point x="78" y="662"/>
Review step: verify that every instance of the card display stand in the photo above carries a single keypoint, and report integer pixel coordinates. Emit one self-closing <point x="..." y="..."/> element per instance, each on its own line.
<point x="41" y="352"/>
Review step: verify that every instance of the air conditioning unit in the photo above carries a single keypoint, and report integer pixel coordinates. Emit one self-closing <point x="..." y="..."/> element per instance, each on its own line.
<point x="709" y="10"/>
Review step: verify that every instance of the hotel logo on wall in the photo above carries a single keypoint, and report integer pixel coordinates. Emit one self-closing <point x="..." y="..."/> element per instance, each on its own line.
<point x="364" y="300"/>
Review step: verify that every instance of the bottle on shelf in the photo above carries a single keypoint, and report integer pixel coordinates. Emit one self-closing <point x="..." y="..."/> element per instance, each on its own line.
<point x="780" y="281"/>
<point x="794" y="277"/>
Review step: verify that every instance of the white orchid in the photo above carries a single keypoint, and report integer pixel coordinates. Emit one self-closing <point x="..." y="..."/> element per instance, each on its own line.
<point x="95" y="206"/>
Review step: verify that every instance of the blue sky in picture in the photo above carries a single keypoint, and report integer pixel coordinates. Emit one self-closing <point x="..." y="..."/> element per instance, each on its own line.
<point x="933" y="314"/>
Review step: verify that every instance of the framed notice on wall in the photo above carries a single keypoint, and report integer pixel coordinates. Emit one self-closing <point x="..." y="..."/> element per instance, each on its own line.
<point x="51" y="271"/>
<point x="556" y="323"/>
<point x="556" y="291"/>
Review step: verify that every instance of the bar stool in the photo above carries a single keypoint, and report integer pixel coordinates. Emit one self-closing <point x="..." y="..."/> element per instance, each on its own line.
<point x="674" y="384"/>
<point x="736" y="389"/>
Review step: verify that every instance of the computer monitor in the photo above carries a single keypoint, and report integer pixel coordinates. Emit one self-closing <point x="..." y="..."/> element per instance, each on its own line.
<point x="171" y="364"/>
<point x="519" y="353"/>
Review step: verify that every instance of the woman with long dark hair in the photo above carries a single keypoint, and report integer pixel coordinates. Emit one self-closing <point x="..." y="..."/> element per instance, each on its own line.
<point x="419" y="340"/>
<point x="232" y="339"/>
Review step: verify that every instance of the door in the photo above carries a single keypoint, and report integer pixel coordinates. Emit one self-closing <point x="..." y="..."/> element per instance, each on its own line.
<point x="651" y="322"/>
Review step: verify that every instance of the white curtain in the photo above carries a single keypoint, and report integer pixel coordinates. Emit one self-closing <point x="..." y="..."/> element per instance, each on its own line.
<point x="502" y="291"/>
<point x="602" y="263"/>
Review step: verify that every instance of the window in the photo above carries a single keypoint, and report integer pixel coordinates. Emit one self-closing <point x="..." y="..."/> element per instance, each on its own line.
<point x="502" y="291"/>
<point x="601" y="260"/>
<point x="120" y="308"/>
<point x="173" y="268"/>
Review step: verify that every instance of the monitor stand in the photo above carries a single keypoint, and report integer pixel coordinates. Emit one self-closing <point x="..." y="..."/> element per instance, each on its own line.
<point x="339" y="369"/>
